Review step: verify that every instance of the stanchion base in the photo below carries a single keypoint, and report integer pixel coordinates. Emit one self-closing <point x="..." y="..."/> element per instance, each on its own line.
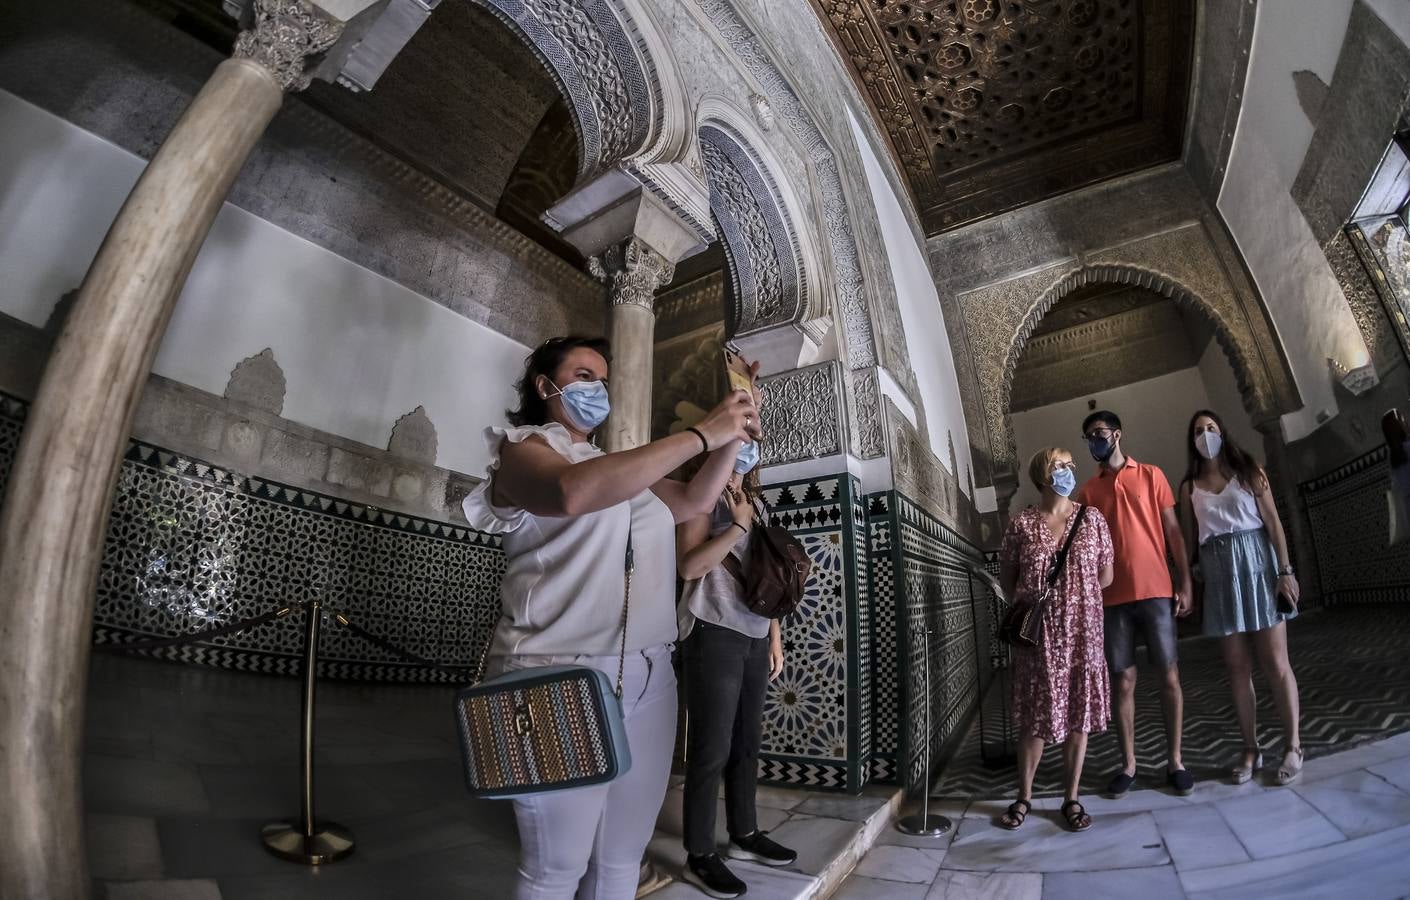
<point x="924" y="826"/>
<point x="330" y="843"/>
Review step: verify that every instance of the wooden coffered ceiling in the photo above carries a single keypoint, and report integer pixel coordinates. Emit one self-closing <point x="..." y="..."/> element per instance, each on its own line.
<point x="994" y="104"/>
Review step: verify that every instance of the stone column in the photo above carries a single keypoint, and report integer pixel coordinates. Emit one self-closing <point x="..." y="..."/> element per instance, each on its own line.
<point x="55" y="515"/>
<point x="632" y="272"/>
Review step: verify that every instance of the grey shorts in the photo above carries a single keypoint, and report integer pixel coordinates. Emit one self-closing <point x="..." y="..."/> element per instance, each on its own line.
<point x="1154" y="619"/>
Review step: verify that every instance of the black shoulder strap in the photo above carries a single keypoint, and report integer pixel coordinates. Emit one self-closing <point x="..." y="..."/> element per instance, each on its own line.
<point x="1060" y="561"/>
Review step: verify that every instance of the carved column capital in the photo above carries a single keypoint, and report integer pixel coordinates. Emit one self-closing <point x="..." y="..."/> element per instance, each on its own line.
<point x="285" y="34"/>
<point x="632" y="272"/>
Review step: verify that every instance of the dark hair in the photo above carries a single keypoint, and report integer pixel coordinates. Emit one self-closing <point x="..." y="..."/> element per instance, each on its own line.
<point x="533" y="409"/>
<point x="1234" y="461"/>
<point x="1393" y="427"/>
<point x="1106" y="416"/>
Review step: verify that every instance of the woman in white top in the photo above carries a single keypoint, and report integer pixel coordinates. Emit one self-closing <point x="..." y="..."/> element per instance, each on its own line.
<point x="729" y="656"/>
<point x="1398" y="450"/>
<point x="1250" y="590"/>
<point x="566" y="511"/>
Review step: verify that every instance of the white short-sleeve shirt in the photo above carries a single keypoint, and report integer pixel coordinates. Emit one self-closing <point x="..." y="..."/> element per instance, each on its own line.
<point x="565" y="576"/>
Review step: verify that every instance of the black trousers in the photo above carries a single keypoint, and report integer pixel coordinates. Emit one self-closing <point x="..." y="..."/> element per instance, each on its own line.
<point x="726" y="678"/>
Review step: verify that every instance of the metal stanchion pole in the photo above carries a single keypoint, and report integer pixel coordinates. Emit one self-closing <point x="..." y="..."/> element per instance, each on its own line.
<point x="924" y="824"/>
<point x="308" y="841"/>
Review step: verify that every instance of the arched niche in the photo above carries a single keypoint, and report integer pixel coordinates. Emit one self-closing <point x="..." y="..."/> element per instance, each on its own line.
<point x="1267" y="390"/>
<point x="768" y="279"/>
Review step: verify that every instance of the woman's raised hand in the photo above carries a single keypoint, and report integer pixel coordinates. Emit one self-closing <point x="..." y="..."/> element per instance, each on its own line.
<point x="734" y="419"/>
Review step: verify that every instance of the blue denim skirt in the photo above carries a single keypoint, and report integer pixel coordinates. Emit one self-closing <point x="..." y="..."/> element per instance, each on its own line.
<point x="1240" y="583"/>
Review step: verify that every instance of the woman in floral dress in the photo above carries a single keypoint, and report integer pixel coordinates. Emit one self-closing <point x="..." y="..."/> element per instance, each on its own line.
<point x="1060" y="688"/>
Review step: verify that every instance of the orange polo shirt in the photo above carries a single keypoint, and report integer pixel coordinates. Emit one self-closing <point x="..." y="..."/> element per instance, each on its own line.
<point x="1132" y="500"/>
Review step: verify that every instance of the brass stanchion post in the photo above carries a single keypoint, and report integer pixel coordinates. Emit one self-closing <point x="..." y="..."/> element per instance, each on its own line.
<point x="924" y="824"/>
<point x="308" y="841"/>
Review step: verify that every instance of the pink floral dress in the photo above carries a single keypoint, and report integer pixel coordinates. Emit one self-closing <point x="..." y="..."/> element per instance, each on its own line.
<point x="1061" y="685"/>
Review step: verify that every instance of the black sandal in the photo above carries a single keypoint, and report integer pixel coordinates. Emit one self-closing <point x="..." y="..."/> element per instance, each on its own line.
<point x="1016" y="814"/>
<point x="1077" y="819"/>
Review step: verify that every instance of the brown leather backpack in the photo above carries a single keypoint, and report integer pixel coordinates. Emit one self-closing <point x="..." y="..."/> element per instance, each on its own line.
<point x="778" y="570"/>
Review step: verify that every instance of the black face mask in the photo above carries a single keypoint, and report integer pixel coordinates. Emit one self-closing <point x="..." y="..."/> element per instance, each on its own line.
<point x="1101" y="448"/>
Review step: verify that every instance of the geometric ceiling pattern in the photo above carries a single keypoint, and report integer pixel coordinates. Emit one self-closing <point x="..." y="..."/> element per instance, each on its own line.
<point x="990" y="105"/>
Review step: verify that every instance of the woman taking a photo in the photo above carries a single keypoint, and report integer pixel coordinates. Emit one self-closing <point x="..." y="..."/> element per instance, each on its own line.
<point x="566" y="512"/>
<point x="1061" y="690"/>
<point x="730" y="656"/>
<point x="1249" y="586"/>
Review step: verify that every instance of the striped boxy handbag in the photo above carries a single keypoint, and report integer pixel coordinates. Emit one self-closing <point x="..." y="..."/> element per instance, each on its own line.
<point x="544" y="729"/>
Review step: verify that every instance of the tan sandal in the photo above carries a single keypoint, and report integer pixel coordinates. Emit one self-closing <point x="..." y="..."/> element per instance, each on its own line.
<point x="1243" y="772"/>
<point x="1288" y="774"/>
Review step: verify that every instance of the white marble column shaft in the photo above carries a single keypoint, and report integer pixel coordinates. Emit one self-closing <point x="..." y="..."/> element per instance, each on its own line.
<point x="55" y="515"/>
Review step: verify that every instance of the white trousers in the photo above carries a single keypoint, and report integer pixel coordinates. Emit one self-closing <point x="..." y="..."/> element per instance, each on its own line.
<point x="588" y="842"/>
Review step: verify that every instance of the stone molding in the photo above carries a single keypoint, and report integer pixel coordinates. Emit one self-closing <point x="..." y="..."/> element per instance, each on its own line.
<point x="696" y="304"/>
<point x="632" y="272"/>
<point x="285" y="34"/>
<point x="1224" y="37"/>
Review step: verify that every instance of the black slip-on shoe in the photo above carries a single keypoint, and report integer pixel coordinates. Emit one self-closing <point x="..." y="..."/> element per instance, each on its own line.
<point x="1181" y="782"/>
<point x="1120" y="783"/>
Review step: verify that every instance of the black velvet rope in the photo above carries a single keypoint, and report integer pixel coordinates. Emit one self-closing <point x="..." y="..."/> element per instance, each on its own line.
<point x="207" y="634"/>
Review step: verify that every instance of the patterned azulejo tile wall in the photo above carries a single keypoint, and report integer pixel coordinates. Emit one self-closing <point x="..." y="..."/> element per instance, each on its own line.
<point x="815" y="723"/>
<point x="191" y="545"/>
<point x="1350" y="521"/>
<point x="921" y="575"/>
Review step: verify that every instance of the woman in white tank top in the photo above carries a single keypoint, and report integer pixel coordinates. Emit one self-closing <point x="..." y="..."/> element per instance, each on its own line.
<point x="1250" y="590"/>
<point x="565" y="511"/>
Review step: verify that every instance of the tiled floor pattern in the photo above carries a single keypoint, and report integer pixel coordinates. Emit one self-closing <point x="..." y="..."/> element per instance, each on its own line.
<point x="1342" y="832"/>
<point x="1354" y="685"/>
<point x="185" y="764"/>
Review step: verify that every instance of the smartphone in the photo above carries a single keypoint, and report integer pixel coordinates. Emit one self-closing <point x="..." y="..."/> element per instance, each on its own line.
<point x="1285" y="605"/>
<point x="737" y="370"/>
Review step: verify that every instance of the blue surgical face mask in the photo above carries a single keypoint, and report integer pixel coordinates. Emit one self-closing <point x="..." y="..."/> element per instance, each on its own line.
<point x="1064" y="482"/>
<point x="585" y="404"/>
<point x="747" y="459"/>
<point x="1101" y="448"/>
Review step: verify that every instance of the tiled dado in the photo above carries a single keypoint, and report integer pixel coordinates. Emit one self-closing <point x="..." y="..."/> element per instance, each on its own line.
<point x="1349" y="517"/>
<point x="191" y="545"/>
<point x="816" y="720"/>
<point x="921" y="577"/>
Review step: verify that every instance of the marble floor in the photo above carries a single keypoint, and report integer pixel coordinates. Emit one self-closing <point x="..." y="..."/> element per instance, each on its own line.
<point x="1343" y="831"/>
<point x="1353" y="684"/>
<point x="185" y="764"/>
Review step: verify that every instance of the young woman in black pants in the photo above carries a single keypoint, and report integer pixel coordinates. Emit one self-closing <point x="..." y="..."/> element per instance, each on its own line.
<point x="730" y="656"/>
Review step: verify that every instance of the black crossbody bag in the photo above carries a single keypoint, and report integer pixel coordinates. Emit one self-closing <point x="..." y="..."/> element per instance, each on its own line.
<point x="1023" y="625"/>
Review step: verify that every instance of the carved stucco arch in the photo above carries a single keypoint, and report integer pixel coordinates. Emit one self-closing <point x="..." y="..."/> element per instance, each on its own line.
<point x="756" y="227"/>
<point x="1257" y="385"/>
<point x="595" y="53"/>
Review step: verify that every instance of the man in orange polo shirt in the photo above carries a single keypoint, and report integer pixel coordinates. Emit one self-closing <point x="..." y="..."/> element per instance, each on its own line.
<point x="1136" y="500"/>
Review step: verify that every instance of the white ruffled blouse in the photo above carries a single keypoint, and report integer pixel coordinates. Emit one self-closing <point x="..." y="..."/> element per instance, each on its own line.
<point x="564" y="580"/>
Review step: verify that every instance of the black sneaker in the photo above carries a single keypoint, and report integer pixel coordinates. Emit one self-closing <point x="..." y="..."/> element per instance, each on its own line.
<point x="711" y="875"/>
<point x="757" y="847"/>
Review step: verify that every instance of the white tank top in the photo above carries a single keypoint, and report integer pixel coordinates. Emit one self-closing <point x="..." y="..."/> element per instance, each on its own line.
<point x="565" y="576"/>
<point x="1232" y="510"/>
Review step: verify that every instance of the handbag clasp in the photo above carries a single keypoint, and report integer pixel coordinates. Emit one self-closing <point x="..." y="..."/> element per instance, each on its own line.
<point x="523" y="720"/>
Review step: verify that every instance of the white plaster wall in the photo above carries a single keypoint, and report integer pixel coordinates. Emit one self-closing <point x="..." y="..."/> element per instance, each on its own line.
<point x="1154" y="415"/>
<point x="358" y="351"/>
<point x="921" y="317"/>
<point x="1309" y="312"/>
